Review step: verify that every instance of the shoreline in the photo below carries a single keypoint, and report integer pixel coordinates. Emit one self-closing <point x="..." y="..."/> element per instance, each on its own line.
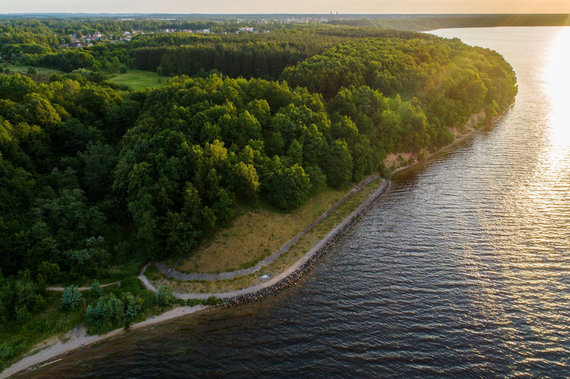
<point x="457" y="141"/>
<point x="77" y="338"/>
<point x="297" y="269"/>
<point x="173" y="273"/>
<point x="287" y="278"/>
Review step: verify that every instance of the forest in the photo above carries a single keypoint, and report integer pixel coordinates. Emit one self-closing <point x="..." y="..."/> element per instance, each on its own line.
<point x="95" y="180"/>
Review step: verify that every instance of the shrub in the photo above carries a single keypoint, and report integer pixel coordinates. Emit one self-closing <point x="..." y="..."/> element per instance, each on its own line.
<point x="131" y="284"/>
<point x="131" y="309"/>
<point x="107" y="313"/>
<point x="164" y="296"/>
<point x="71" y="298"/>
<point x="18" y="298"/>
<point x="212" y="300"/>
<point x="111" y="311"/>
<point x="95" y="290"/>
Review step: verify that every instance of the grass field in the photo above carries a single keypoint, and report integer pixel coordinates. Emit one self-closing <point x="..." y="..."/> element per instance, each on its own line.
<point x="287" y="258"/>
<point x="137" y="79"/>
<point x="255" y="235"/>
<point x="24" y="69"/>
<point x="133" y="79"/>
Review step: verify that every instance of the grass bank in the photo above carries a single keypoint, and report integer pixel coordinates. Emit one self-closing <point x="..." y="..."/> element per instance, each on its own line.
<point x="255" y="235"/>
<point x="287" y="258"/>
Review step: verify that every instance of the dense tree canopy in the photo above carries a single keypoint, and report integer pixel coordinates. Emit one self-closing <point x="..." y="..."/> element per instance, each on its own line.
<point x="92" y="175"/>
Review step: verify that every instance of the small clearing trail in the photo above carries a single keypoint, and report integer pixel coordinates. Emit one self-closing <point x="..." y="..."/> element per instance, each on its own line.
<point x="61" y="289"/>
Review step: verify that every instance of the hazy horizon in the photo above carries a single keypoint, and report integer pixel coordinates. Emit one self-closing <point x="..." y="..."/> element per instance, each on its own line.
<point x="412" y="7"/>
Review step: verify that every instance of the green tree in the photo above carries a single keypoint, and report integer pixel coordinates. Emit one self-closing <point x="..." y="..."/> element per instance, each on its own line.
<point x="48" y="273"/>
<point x="287" y="188"/>
<point x="164" y="297"/>
<point x="95" y="289"/>
<point x="338" y="164"/>
<point x="71" y="298"/>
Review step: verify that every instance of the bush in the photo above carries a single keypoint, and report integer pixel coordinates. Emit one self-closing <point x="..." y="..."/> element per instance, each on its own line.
<point x="131" y="284"/>
<point x="164" y="296"/>
<point x="123" y="69"/>
<point x="18" y="298"/>
<point x="71" y="298"/>
<point x="212" y="300"/>
<point x="131" y="309"/>
<point x="107" y="313"/>
<point x="95" y="290"/>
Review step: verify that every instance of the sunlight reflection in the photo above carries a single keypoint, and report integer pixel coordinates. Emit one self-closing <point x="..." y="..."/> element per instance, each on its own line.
<point x="557" y="78"/>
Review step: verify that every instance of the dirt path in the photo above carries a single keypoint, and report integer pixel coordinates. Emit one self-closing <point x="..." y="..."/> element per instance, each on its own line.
<point x="61" y="289"/>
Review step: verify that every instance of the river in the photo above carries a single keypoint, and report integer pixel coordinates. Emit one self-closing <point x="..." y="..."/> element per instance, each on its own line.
<point x="462" y="270"/>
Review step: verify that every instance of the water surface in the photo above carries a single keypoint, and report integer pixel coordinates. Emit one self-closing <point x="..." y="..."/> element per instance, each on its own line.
<point x="462" y="270"/>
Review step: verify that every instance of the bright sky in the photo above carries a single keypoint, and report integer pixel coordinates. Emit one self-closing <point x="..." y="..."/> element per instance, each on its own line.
<point x="287" y="6"/>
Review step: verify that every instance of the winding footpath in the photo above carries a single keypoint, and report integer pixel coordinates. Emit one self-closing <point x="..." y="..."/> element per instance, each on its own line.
<point x="173" y="273"/>
<point x="291" y="274"/>
<point x="55" y="347"/>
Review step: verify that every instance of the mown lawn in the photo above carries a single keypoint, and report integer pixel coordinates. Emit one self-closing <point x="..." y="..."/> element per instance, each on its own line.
<point x="137" y="79"/>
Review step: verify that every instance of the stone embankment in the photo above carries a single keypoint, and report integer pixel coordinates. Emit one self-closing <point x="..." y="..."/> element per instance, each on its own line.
<point x="292" y="275"/>
<point x="174" y="274"/>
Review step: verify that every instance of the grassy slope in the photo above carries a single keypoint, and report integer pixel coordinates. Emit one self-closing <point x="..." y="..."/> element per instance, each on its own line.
<point x="286" y="259"/>
<point x="137" y="79"/>
<point x="255" y="235"/>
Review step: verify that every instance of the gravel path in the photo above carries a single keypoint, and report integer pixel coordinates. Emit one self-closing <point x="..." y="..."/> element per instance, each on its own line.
<point x="173" y="273"/>
<point x="272" y="284"/>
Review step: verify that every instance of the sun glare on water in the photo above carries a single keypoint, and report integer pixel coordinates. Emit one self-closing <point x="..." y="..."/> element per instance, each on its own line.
<point x="554" y="161"/>
<point x="557" y="78"/>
